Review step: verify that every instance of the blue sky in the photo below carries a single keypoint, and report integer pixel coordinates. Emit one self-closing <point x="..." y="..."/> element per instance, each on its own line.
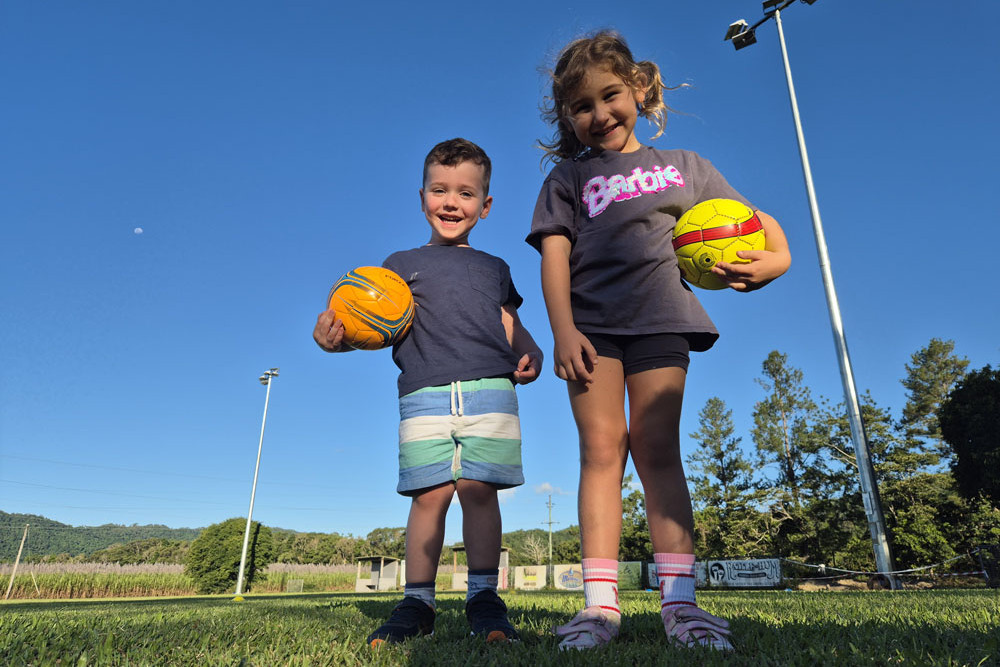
<point x="265" y="148"/>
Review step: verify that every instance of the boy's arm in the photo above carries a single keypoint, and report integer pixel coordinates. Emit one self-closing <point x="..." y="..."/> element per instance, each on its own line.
<point x="530" y="357"/>
<point x="574" y="356"/>
<point x="764" y="266"/>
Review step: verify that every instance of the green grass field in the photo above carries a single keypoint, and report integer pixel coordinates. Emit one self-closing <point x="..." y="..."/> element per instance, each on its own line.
<point x="953" y="627"/>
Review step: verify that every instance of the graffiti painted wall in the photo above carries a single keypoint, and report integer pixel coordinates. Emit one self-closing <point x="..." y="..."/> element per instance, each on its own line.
<point x="756" y="573"/>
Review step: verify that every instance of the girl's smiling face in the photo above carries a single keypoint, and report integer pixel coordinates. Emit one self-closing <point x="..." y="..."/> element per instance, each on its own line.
<point x="603" y="110"/>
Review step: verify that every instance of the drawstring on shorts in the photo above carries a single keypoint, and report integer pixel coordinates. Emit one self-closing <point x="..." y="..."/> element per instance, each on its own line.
<point x="456" y="411"/>
<point x="456" y="388"/>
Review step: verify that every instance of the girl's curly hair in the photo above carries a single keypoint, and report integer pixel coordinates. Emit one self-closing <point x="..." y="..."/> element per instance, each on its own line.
<point x="605" y="48"/>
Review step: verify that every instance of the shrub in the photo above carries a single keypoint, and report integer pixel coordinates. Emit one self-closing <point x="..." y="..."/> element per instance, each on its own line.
<point x="213" y="561"/>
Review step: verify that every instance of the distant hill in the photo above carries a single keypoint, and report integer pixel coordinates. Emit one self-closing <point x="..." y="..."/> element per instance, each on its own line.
<point x="51" y="538"/>
<point x="48" y="537"/>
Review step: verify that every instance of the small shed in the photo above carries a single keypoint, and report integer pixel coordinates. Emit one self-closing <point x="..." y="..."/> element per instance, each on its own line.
<point x="460" y="580"/>
<point x="376" y="573"/>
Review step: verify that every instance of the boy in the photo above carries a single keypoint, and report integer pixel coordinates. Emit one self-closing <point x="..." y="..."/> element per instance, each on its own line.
<point x="459" y="429"/>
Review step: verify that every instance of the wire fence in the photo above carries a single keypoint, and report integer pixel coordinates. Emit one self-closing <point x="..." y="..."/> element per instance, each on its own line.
<point x="984" y="559"/>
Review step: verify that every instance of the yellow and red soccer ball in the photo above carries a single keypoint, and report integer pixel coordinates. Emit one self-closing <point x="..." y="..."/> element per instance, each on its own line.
<point x="714" y="231"/>
<point x="375" y="305"/>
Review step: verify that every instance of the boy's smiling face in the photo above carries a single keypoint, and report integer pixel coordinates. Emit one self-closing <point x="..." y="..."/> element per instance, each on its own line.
<point x="454" y="199"/>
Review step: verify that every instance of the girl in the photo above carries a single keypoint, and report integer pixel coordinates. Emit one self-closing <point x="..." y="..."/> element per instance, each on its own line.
<point x="624" y="322"/>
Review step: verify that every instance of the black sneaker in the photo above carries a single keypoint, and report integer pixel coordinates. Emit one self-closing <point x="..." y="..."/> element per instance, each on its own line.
<point x="487" y="615"/>
<point x="410" y="618"/>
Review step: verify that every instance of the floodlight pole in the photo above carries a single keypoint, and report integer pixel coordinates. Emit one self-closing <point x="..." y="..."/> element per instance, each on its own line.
<point x="265" y="380"/>
<point x="866" y="471"/>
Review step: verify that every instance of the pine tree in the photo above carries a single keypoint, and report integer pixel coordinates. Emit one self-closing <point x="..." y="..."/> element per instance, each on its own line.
<point x="728" y="521"/>
<point x="783" y="424"/>
<point x="970" y="423"/>
<point x="786" y="439"/>
<point x="635" y="541"/>
<point x="931" y="375"/>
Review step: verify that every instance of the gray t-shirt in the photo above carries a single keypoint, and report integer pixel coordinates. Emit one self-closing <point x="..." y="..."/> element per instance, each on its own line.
<point x="619" y="211"/>
<point x="457" y="333"/>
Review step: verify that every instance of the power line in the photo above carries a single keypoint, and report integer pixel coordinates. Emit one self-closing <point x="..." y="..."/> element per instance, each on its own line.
<point x="101" y="492"/>
<point x="155" y="473"/>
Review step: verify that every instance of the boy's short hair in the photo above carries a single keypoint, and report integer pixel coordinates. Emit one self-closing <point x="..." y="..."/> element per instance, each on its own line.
<point x="455" y="151"/>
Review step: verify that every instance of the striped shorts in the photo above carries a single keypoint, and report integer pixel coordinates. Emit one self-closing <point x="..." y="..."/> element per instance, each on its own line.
<point x="465" y="430"/>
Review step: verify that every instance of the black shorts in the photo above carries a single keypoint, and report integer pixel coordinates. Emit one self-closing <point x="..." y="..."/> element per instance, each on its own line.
<point x="643" y="352"/>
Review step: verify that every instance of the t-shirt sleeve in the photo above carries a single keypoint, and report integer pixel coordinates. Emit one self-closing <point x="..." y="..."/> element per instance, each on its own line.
<point x="555" y="212"/>
<point x="711" y="184"/>
<point x="392" y="263"/>
<point x="511" y="296"/>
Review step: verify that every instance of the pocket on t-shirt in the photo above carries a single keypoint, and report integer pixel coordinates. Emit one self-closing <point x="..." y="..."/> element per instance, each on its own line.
<point x="485" y="282"/>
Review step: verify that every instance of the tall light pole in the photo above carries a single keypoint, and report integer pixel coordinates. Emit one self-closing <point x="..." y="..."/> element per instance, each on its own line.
<point x="265" y="380"/>
<point x="743" y="35"/>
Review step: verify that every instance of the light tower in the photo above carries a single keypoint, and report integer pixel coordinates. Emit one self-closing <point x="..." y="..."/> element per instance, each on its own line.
<point x="742" y="35"/>
<point x="265" y="380"/>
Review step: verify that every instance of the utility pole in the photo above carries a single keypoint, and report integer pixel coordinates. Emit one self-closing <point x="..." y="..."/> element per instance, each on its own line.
<point x="549" y="574"/>
<point x="10" y="585"/>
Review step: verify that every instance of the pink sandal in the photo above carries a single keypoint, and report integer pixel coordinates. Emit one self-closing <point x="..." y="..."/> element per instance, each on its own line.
<point x="589" y="628"/>
<point x="689" y="625"/>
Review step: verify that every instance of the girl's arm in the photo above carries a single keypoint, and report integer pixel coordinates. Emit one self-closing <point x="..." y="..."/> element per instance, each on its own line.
<point x="529" y="364"/>
<point x="574" y="357"/>
<point x="764" y="266"/>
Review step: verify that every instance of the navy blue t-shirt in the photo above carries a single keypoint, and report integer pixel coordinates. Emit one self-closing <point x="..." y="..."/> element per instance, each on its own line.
<point x="457" y="332"/>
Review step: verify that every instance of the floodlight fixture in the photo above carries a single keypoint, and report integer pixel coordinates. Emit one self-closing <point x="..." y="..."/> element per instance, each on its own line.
<point x="744" y="39"/>
<point x="735" y="28"/>
<point x="808" y="2"/>
<point x="771" y="5"/>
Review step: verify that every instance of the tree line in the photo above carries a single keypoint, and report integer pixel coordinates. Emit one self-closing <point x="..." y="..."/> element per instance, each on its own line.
<point x="794" y="491"/>
<point x="48" y="539"/>
<point x="53" y="542"/>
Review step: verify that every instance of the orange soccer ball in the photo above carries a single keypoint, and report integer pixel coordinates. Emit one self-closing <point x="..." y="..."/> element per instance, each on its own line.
<point x="714" y="231"/>
<point x="375" y="305"/>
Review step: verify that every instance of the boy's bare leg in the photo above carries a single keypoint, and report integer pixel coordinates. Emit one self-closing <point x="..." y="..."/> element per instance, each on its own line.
<point x="414" y="615"/>
<point x="481" y="528"/>
<point x="481" y="523"/>
<point x="425" y="531"/>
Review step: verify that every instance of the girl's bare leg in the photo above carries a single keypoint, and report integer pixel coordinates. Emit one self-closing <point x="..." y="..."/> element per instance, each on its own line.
<point x="599" y="411"/>
<point x="655" y="399"/>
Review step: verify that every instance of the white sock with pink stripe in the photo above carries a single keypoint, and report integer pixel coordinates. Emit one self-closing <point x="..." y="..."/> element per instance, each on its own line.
<point x="676" y="575"/>
<point x="600" y="585"/>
